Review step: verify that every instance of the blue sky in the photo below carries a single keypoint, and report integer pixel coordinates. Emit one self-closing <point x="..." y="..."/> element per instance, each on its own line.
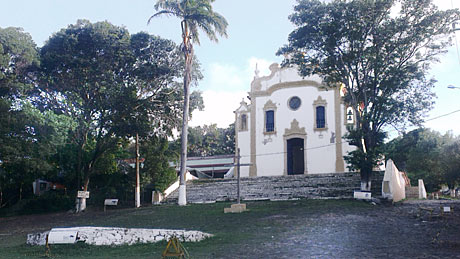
<point x="257" y="28"/>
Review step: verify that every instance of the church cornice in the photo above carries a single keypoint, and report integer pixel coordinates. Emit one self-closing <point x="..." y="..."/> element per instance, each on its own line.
<point x="294" y="84"/>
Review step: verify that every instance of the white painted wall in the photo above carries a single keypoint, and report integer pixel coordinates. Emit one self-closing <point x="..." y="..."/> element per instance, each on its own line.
<point x="244" y="140"/>
<point x="270" y="148"/>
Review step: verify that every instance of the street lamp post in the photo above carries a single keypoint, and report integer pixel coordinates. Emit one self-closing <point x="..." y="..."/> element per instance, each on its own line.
<point x="453" y="87"/>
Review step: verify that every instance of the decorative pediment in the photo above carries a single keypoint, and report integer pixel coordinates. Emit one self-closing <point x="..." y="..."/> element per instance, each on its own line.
<point x="295" y="129"/>
<point x="319" y="102"/>
<point x="269" y="105"/>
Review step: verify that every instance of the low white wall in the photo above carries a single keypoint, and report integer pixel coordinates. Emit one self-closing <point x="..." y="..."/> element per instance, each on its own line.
<point x="394" y="185"/>
<point x="122" y="236"/>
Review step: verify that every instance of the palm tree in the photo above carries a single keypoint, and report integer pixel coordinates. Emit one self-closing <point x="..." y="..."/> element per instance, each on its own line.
<point x="195" y="15"/>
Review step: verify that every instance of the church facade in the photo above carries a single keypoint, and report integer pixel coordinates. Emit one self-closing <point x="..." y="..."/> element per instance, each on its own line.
<point x="291" y="125"/>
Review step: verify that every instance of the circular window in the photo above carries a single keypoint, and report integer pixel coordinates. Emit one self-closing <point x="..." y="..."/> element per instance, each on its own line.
<point x="294" y="103"/>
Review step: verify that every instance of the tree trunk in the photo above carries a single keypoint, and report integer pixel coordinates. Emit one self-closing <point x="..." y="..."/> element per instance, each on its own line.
<point x="188" y="53"/>
<point x="20" y="192"/>
<point x="366" y="176"/>
<point x="82" y="206"/>
<point x="138" y="187"/>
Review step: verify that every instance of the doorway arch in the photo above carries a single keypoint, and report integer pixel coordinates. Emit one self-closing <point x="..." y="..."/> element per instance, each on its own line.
<point x="295" y="153"/>
<point x="295" y="156"/>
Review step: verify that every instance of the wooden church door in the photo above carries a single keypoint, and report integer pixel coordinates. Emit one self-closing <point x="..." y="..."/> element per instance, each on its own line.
<point x="295" y="156"/>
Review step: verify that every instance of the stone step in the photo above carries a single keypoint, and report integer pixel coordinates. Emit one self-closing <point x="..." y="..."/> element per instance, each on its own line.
<point x="411" y="192"/>
<point x="336" y="185"/>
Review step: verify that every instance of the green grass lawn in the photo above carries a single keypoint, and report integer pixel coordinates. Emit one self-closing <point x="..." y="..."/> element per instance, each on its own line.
<point x="262" y="224"/>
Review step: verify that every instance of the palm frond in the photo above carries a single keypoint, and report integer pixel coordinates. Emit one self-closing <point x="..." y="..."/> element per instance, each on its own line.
<point x="198" y="14"/>
<point x="162" y="12"/>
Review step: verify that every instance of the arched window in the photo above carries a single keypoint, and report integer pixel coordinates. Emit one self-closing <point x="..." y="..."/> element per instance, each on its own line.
<point x="243" y="122"/>
<point x="320" y="117"/>
<point x="320" y="120"/>
<point x="269" y="112"/>
<point x="269" y="121"/>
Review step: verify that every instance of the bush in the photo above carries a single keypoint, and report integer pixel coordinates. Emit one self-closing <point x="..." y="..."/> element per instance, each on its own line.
<point x="51" y="201"/>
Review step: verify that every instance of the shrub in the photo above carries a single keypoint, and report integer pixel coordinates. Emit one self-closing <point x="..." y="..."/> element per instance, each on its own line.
<point x="51" y="201"/>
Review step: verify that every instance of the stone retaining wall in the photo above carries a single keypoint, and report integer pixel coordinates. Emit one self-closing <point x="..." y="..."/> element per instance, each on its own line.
<point x="318" y="186"/>
<point x="122" y="236"/>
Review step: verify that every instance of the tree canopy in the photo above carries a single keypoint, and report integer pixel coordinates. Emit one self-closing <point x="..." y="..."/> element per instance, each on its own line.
<point x="379" y="52"/>
<point x="428" y="155"/>
<point x="209" y="140"/>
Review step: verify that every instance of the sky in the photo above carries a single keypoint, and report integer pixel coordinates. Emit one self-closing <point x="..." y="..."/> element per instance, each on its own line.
<point x="257" y="29"/>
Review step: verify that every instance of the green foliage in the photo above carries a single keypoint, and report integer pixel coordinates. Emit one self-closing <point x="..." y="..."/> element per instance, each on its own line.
<point x="71" y="118"/>
<point x="152" y="99"/>
<point x="84" y="71"/>
<point x="157" y="171"/>
<point x="18" y="57"/>
<point x="428" y="155"/>
<point x="380" y="52"/>
<point x="198" y="14"/>
<point x="450" y="163"/>
<point x="209" y="140"/>
<point x="51" y="201"/>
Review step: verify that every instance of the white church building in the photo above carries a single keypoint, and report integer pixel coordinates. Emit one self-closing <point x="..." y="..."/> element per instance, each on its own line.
<point x="291" y="125"/>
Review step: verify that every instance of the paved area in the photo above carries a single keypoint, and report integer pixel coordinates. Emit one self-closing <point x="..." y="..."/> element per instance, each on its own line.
<point x="406" y="230"/>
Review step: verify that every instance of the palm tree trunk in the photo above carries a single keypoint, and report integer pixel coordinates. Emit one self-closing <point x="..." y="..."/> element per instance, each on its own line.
<point x="138" y="188"/>
<point x="188" y="54"/>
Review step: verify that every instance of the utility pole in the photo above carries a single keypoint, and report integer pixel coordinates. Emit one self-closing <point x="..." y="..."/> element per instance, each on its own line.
<point x="238" y="207"/>
<point x="238" y="177"/>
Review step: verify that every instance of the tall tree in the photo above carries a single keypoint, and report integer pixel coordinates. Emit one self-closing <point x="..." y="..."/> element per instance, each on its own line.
<point x="194" y="15"/>
<point x="379" y="51"/>
<point x="450" y="163"/>
<point x="156" y="96"/>
<point x="18" y="58"/>
<point x="83" y="68"/>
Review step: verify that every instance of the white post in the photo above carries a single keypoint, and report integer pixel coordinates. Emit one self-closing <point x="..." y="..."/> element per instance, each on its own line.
<point x="138" y="187"/>
<point x="182" y="195"/>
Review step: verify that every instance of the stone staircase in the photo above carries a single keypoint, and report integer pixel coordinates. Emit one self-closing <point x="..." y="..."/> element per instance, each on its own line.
<point x="319" y="186"/>
<point x="411" y="192"/>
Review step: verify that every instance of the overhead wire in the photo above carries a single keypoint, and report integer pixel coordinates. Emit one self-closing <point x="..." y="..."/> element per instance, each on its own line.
<point x="342" y="142"/>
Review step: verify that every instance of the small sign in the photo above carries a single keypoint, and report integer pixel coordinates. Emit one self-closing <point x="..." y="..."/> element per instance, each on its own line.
<point x="446" y="209"/>
<point x="83" y="194"/>
<point x="62" y="236"/>
<point x="111" y="202"/>
<point x="362" y="195"/>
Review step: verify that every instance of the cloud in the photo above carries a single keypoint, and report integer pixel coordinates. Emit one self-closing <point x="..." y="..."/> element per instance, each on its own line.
<point x="446" y="4"/>
<point x="225" y="76"/>
<point x="219" y="107"/>
<point x="225" y="85"/>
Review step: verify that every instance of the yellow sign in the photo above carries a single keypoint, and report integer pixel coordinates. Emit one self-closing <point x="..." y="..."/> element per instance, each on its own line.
<point x="175" y="249"/>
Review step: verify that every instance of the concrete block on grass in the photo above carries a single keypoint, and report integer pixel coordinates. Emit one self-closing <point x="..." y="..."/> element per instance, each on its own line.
<point x="236" y="208"/>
